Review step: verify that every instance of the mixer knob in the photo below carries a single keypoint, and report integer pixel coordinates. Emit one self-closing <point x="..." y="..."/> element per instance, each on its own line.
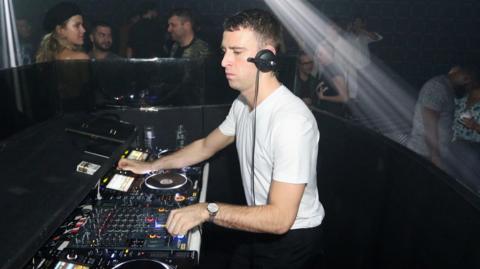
<point x="72" y="256"/>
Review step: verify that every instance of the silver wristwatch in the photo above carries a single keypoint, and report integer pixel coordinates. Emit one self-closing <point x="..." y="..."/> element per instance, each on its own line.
<point x="212" y="209"/>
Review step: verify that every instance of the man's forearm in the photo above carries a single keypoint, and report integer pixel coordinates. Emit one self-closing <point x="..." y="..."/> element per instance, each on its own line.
<point x="260" y="219"/>
<point x="191" y="154"/>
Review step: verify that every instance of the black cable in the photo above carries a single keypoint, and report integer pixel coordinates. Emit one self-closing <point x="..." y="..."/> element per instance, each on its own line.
<point x="254" y="134"/>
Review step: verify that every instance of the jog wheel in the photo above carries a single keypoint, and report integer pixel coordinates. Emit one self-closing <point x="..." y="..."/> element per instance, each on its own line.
<point x="166" y="181"/>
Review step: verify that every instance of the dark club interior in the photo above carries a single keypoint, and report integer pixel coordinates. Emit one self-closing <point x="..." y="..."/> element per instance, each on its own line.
<point x="68" y="122"/>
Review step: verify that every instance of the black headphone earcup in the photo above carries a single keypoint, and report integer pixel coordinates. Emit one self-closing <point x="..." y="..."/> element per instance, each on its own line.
<point x="265" y="60"/>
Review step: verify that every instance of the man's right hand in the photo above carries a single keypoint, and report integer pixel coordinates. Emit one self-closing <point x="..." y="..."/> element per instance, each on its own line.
<point x="137" y="167"/>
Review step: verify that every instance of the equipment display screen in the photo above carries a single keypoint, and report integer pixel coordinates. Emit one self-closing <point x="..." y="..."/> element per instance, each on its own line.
<point x="120" y="182"/>
<point x="67" y="265"/>
<point x="137" y="155"/>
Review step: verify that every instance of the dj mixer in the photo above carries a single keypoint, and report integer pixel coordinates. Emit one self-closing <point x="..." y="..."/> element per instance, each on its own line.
<point x="121" y="223"/>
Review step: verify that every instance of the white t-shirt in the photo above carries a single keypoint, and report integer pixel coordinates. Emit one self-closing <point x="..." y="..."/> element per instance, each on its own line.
<point x="286" y="148"/>
<point x="436" y="94"/>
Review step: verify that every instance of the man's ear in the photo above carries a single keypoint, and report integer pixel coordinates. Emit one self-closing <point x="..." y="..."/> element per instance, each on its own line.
<point x="91" y="39"/>
<point x="271" y="48"/>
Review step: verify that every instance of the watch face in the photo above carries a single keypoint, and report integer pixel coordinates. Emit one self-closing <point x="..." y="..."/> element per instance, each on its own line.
<point x="212" y="208"/>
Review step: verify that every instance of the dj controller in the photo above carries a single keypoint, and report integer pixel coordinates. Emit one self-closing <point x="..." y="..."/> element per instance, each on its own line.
<point x="121" y="223"/>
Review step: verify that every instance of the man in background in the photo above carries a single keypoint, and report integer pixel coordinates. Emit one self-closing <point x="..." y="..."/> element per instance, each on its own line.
<point x="181" y="27"/>
<point x="432" y="121"/>
<point x="146" y="38"/>
<point x="101" y="38"/>
<point x="358" y="57"/>
<point x="27" y="49"/>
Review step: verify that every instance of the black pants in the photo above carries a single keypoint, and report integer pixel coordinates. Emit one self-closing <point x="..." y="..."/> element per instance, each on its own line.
<point x="300" y="248"/>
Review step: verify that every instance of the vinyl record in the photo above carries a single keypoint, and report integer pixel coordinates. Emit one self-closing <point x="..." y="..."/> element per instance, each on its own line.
<point x="142" y="264"/>
<point x="166" y="181"/>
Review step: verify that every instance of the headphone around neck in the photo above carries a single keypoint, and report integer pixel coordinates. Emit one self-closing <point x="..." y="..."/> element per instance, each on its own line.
<point x="265" y="60"/>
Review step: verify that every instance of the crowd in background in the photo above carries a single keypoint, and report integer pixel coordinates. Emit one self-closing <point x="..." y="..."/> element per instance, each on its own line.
<point x="143" y="36"/>
<point x="331" y="78"/>
<point x="446" y="121"/>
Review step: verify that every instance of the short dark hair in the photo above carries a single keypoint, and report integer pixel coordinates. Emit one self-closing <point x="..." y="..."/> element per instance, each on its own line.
<point x="262" y="22"/>
<point x="96" y="24"/>
<point x="144" y="7"/>
<point x="185" y="14"/>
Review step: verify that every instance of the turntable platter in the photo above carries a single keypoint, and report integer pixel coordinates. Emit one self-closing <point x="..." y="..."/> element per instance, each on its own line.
<point x="166" y="181"/>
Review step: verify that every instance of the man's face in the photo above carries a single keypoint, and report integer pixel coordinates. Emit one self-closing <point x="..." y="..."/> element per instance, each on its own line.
<point x="237" y="47"/>
<point x="323" y="55"/>
<point x="458" y="77"/>
<point x="102" y="38"/>
<point x="176" y="28"/>
<point x="24" y="29"/>
<point x="359" y="23"/>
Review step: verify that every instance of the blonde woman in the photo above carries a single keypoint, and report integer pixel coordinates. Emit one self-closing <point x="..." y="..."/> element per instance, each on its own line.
<point x="64" y="40"/>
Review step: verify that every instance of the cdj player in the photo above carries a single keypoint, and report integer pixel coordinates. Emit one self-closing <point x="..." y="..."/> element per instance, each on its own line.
<point x="121" y="223"/>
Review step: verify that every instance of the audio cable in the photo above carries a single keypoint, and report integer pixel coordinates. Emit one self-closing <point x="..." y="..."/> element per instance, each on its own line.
<point x="254" y="134"/>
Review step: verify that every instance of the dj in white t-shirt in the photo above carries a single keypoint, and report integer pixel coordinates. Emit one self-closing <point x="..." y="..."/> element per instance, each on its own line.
<point x="286" y="146"/>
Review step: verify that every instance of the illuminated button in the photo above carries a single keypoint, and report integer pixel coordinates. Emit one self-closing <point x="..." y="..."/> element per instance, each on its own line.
<point x="179" y="197"/>
<point x="149" y="219"/>
<point x="72" y="256"/>
<point x="161" y="210"/>
<point x="152" y="236"/>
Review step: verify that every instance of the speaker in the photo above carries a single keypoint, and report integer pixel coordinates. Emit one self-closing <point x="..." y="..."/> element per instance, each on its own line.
<point x="265" y="60"/>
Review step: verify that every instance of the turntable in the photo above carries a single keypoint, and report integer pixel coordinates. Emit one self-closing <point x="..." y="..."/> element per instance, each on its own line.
<point x="166" y="181"/>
